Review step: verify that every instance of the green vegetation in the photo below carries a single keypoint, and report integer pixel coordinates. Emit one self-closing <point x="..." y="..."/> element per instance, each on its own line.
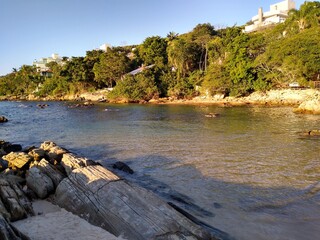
<point x="203" y="61"/>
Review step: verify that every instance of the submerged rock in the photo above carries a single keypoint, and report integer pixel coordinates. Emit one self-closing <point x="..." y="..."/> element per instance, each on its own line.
<point x="123" y="167"/>
<point x="3" y="119"/>
<point x="311" y="133"/>
<point x="212" y="115"/>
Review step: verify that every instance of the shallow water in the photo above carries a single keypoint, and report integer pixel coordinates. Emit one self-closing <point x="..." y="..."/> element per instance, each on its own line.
<point x="247" y="172"/>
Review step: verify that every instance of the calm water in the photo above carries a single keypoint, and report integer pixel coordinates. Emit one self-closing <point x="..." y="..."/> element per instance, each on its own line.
<point x="248" y="172"/>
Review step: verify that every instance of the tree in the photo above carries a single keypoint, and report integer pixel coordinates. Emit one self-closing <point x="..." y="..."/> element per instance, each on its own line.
<point x="171" y="36"/>
<point x="293" y="58"/>
<point x="111" y="67"/>
<point x="91" y="58"/>
<point x="153" y="51"/>
<point x="183" y="56"/>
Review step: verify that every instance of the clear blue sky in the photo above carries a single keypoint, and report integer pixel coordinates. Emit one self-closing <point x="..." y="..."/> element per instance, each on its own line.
<point x="32" y="29"/>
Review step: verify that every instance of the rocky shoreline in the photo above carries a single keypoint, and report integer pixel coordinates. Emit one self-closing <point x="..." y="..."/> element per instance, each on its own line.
<point x="302" y="100"/>
<point x="88" y="190"/>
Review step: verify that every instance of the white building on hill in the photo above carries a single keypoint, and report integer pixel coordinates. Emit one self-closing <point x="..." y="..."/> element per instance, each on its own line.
<point x="41" y="64"/>
<point x="104" y="47"/>
<point x="278" y="13"/>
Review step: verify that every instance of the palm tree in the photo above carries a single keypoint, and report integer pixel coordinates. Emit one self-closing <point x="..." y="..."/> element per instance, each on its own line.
<point x="171" y="36"/>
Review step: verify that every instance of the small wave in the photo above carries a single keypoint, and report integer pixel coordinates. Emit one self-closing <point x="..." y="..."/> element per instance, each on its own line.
<point x="111" y="110"/>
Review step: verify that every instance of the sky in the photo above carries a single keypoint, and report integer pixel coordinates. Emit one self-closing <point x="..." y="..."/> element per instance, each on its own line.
<point x="32" y="29"/>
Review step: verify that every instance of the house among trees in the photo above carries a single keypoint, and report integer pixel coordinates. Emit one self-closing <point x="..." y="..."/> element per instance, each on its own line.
<point x="278" y="14"/>
<point x="42" y="67"/>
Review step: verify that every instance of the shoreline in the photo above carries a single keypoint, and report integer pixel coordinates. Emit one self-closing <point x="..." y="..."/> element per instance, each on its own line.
<point x="302" y="100"/>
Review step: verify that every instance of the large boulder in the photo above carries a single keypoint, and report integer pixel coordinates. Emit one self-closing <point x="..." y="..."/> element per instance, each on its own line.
<point x="39" y="182"/>
<point x="17" y="160"/>
<point x="122" y="208"/>
<point x="51" y="171"/>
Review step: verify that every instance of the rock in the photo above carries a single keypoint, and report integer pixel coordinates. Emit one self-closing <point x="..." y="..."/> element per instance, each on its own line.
<point x="47" y="145"/>
<point x="314" y="133"/>
<point x="14" y="200"/>
<point x="3" y="119"/>
<point x="9" y="233"/>
<point x="311" y="133"/>
<point x="123" y="167"/>
<point x="3" y="165"/>
<point x="8" y="172"/>
<point x="39" y="182"/>
<point x="51" y="171"/>
<point x="310" y="106"/>
<point x="42" y="105"/>
<point x="22" y="199"/>
<point x="37" y="154"/>
<point x="212" y="115"/>
<point x="12" y="148"/>
<point x="70" y="162"/>
<point x="6" y="147"/>
<point x="14" y="179"/>
<point x="55" y="154"/>
<point x="3" y="211"/>
<point x="28" y="149"/>
<point x="2" y="152"/>
<point x="122" y="208"/>
<point x="17" y="160"/>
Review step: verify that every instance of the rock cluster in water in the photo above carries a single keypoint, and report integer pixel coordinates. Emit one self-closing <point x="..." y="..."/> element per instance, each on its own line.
<point x="86" y="189"/>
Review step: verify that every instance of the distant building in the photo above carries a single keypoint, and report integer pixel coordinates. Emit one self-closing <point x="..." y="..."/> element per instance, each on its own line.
<point x="41" y="64"/>
<point x="278" y="13"/>
<point x="104" y="47"/>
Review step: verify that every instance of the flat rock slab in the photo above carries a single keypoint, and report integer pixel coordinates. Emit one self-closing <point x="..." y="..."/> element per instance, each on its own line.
<point x="122" y="208"/>
<point x="57" y="223"/>
<point x="17" y="159"/>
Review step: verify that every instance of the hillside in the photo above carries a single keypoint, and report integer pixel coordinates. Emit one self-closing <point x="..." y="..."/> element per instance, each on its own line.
<point x="204" y="61"/>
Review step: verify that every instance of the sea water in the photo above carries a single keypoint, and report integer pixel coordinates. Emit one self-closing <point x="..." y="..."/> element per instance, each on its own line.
<point x="248" y="172"/>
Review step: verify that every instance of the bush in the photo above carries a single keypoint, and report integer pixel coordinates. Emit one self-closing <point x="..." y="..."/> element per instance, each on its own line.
<point x="134" y="88"/>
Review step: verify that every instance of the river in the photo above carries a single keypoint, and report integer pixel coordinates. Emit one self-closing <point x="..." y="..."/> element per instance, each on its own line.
<point x="247" y="172"/>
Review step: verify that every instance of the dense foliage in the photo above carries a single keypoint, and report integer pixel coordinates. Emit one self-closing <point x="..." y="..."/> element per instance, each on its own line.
<point x="203" y="61"/>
